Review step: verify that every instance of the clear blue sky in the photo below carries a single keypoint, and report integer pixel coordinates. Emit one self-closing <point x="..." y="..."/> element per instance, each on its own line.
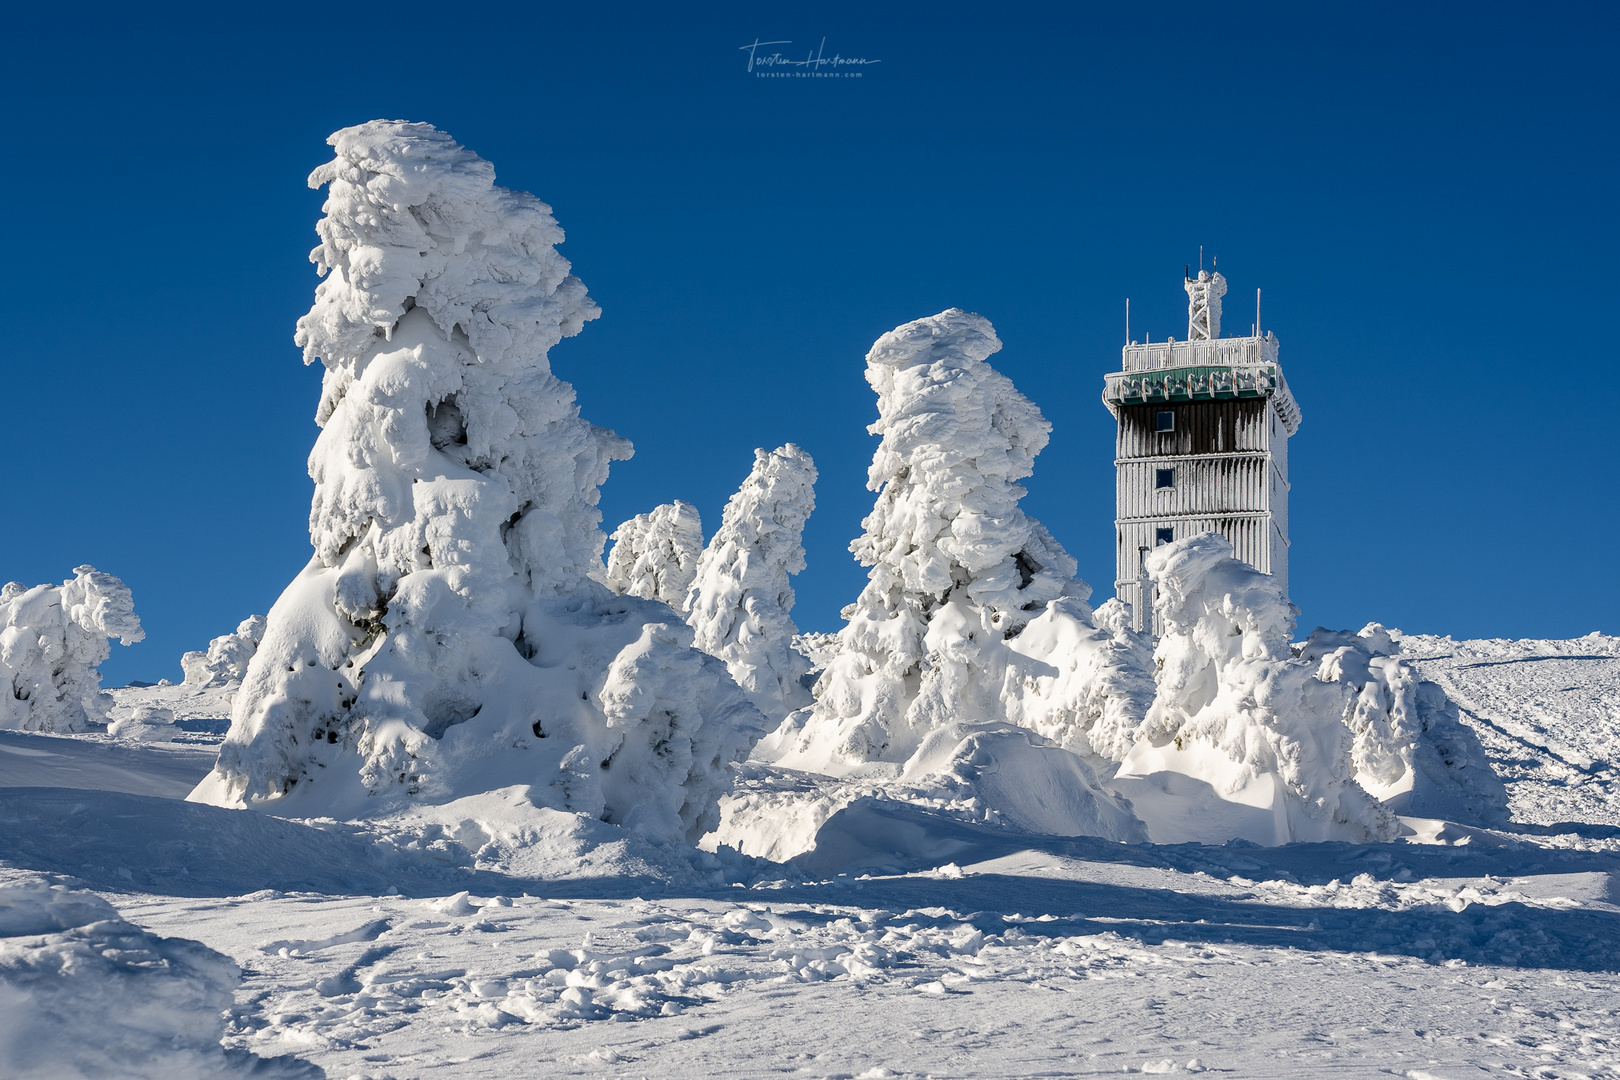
<point x="1426" y="193"/>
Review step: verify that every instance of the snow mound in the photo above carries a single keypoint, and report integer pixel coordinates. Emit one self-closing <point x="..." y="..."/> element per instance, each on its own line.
<point x="739" y="605"/>
<point x="53" y="639"/>
<point x="991" y="773"/>
<point x="972" y="611"/>
<point x="85" y="994"/>
<point x="655" y="555"/>
<point x="1246" y="740"/>
<point x="148" y="722"/>
<point x="225" y="661"/>
<point x="448" y="637"/>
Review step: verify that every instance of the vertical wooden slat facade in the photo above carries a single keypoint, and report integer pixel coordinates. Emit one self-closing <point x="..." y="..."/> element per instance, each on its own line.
<point x="1228" y="463"/>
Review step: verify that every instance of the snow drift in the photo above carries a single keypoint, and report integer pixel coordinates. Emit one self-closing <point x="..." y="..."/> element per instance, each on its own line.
<point x="655" y="555"/>
<point x="225" y="661"/>
<point x="740" y="601"/>
<point x="85" y="994"/>
<point x="53" y="639"/>
<point x="1246" y="740"/>
<point x="447" y="637"/>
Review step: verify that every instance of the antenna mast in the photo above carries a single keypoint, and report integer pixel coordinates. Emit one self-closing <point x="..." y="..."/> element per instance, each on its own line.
<point x="1257" y="313"/>
<point x="1127" y="320"/>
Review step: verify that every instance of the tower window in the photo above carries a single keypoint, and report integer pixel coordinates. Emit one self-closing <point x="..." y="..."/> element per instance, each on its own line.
<point x="1164" y="478"/>
<point x="1163" y="536"/>
<point x="1164" y="420"/>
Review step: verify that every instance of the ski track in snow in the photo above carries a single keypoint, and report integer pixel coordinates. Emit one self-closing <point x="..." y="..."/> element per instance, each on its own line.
<point x="943" y="949"/>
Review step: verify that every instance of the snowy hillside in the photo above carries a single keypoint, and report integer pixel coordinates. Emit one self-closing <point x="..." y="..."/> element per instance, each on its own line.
<point x="1547" y="711"/>
<point x="493" y="939"/>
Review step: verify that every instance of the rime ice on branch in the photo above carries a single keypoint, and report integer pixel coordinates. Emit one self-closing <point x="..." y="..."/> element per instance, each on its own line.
<point x="446" y="637"/>
<point x="53" y="639"/>
<point x="740" y="602"/>
<point x="972" y="611"/>
<point x="655" y="555"/>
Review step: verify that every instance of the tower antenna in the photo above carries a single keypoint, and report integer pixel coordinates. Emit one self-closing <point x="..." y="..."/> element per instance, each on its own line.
<point x="1257" y="313"/>
<point x="1200" y="258"/>
<point x="1127" y="320"/>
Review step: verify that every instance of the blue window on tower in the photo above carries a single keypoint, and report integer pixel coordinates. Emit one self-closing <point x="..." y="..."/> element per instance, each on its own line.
<point x="1164" y="478"/>
<point x="1164" y="536"/>
<point x="1164" y="420"/>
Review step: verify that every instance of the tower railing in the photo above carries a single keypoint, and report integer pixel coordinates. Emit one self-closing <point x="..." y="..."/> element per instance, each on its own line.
<point x="1218" y="352"/>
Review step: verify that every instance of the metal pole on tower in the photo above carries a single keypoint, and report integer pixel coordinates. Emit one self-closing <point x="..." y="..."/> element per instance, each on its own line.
<point x="1127" y="320"/>
<point x="1257" y="313"/>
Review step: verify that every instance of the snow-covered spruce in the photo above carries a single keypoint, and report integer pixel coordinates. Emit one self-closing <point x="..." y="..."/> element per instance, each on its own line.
<point x="739" y="605"/>
<point x="969" y="676"/>
<point x="972" y="610"/>
<point x="1245" y="740"/>
<point x="225" y="661"/>
<point x="446" y="637"/>
<point x="655" y="555"/>
<point x="1410" y="748"/>
<point x="53" y="639"/>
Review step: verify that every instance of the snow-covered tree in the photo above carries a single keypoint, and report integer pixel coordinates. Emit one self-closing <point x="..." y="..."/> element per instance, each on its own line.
<point x="655" y="555"/>
<point x="447" y="636"/>
<point x="740" y="602"/>
<point x="53" y="639"/>
<point x="972" y="610"/>
<point x="1409" y="747"/>
<point x="225" y="661"/>
<point x="1327" y="745"/>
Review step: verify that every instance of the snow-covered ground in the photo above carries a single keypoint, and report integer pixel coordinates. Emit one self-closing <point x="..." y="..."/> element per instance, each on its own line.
<point x="1548" y="712"/>
<point x="493" y="938"/>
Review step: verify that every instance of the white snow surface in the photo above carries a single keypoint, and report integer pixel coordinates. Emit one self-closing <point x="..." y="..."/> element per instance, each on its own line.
<point x="53" y="639"/>
<point x="488" y="937"/>
<point x="740" y="602"/>
<point x="446" y="637"/>
<point x="1547" y="712"/>
<point x="655" y="555"/>
<point x="225" y="661"/>
<point x="85" y="994"/>
<point x="1247" y="740"/>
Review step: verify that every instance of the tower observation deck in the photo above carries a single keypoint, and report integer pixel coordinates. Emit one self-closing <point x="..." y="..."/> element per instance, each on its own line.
<point x="1202" y="444"/>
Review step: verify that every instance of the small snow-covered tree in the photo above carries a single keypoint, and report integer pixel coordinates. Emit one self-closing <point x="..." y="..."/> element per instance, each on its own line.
<point x="655" y="555"/>
<point x="447" y="637"/>
<point x="739" y="604"/>
<point x="971" y="611"/>
<point x="1409" y="747"/>
<point x="1327" y="745"/>
<point x="225" y="661"/>
<point x="53" y="639"/>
